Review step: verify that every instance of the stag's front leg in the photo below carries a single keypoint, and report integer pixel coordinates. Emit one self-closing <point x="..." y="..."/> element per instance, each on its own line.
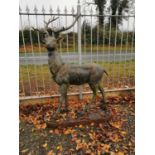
<point x="62" y="99"/>
<point x="94" y="89"/>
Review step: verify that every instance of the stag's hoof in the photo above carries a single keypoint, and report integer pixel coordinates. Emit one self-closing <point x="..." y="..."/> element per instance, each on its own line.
<point x="87" y="107"/>
<point x="65" y="111"/>
<point x="54" y="116"/>
<point x="102" y="101"/>
<point x="103" y="107"/>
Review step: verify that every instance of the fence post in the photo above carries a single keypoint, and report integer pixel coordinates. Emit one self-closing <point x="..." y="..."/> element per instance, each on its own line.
<point x="79" y="40"/>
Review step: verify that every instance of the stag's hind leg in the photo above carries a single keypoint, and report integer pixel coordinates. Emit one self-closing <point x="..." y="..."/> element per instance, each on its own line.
<point x="66" y="101"/>
<point x="103" y="97"/>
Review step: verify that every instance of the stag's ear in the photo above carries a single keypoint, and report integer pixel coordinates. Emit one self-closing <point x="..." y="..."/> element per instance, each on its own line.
<point x="34" y="29"/>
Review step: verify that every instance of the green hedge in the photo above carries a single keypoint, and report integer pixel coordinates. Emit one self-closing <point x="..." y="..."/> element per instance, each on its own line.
<point x="86" y="36"/>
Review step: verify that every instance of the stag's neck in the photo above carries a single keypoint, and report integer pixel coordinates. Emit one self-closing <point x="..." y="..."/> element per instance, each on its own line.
<point x="51" y="51"/>
<point x="54" y="61"/>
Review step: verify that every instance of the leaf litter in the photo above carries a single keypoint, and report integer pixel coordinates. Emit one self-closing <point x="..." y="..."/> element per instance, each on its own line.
<point x="113" y="136"/>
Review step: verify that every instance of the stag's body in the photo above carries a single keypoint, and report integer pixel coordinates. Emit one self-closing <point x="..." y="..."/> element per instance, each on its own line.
<point x="66" y="74"/>
<point x="63" y="73"/>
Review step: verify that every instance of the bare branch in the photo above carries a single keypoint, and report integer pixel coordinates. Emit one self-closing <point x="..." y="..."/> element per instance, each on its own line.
<point x="90" y="3"/>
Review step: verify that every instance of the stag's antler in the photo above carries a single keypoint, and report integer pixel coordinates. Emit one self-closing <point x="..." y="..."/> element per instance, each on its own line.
<point x="59" y="30"/>
<point x="62" y="29"/>
<point x="67" y="28"/>
<point x="50" y="21"/>
<point x="35" y="29"/>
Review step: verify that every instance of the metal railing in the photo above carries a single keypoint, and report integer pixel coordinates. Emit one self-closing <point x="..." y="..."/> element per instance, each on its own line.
<point x="111" y="46"/>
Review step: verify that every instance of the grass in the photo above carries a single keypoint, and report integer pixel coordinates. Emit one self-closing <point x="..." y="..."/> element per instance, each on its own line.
<point x="37" y="78"/>
<point x="70" y="48"/>
<point x="112" y="68"/>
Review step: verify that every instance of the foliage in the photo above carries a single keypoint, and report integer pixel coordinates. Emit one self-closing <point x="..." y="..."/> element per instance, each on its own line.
<point x="101" y="7"/>
<point x="26" y="34"/>
<point x="104" y="35"/>
<point x="117" y="8"/>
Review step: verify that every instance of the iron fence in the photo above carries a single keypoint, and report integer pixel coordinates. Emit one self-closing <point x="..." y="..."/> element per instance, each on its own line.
<point x="111" y="45"/>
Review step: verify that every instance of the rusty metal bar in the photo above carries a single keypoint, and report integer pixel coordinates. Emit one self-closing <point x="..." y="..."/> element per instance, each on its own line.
<point x="74" y="94"/>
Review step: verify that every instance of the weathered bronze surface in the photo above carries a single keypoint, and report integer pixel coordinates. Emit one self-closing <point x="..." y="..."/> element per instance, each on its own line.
<point x="66" y="74"/>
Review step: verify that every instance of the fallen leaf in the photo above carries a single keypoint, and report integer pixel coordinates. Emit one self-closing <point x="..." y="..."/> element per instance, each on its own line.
<point x="91" y="135"/>
<point x="105" y="147"/>
<point x="56" y="131"/>
<point x="88" y="151"/>
<point x="59" y="148"/>
<point x="117" y="124"/>
<point x="80" y="126"/>
<point x="98" y="152"/>
<point x="112" y="153"/>
<point x="120" y="153"/>
<point x="123" y="133"/>
<point x="78" y="146"/>
<point x="69" y="131"/>
<point x="44" y="145"/>
<point x="78" y="141"/>
<point x="51" y="131"/>
<point x="92" y="124"/>
<point x="114" y="137"/>
<point x="44" y="125"/>
<point x="24" y="151"/>
<point x="50" y="152"/>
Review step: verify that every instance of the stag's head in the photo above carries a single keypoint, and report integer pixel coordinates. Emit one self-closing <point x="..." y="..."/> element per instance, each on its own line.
<point x="51" y="37"/>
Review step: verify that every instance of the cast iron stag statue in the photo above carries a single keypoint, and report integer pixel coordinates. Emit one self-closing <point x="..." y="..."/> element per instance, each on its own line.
<point x="67" y="74"/>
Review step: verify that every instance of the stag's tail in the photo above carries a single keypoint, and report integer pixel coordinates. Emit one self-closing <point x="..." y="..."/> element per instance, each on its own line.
<point x="105" y="72"/>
